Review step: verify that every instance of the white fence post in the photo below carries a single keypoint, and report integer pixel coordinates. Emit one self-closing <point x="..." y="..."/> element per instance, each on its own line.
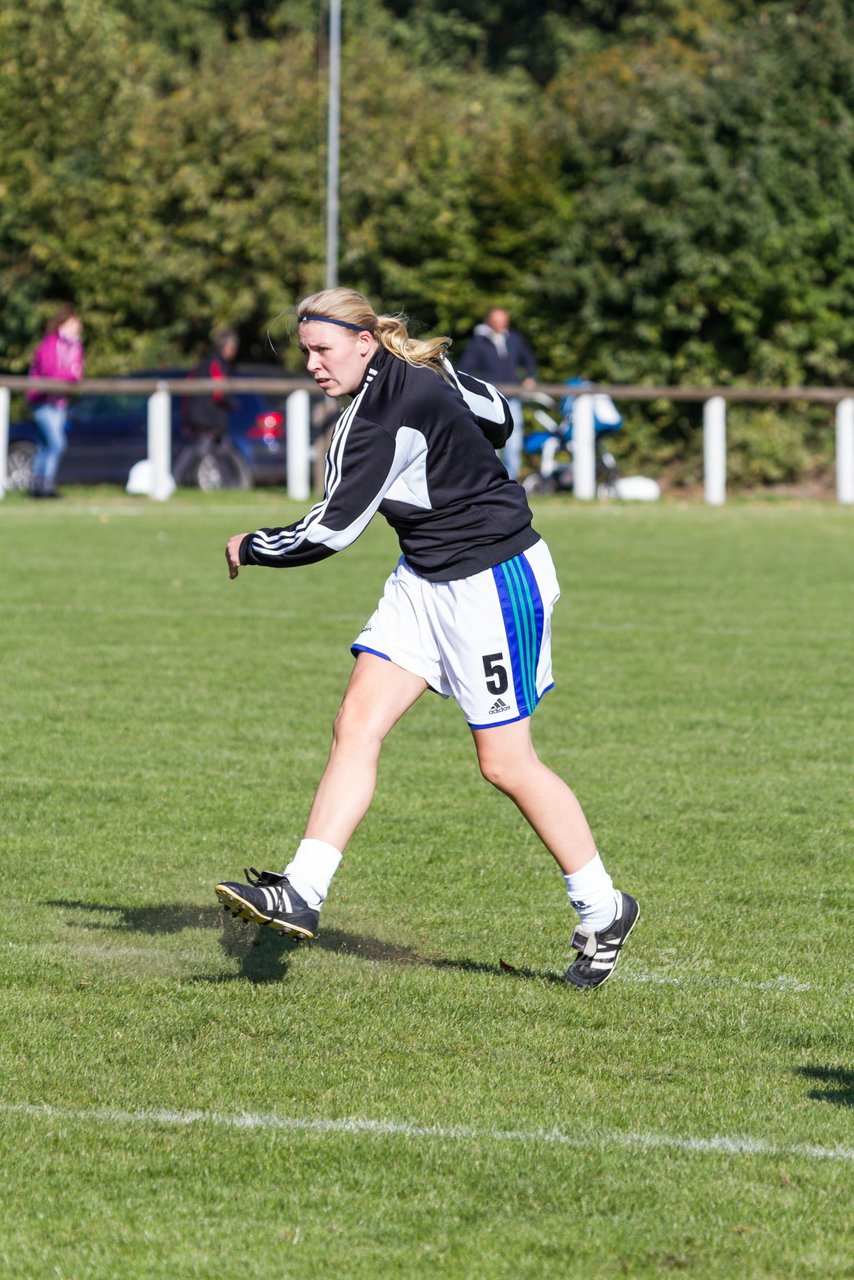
<point x="160" y="443"/>
<point x="4" y="438"/>
<point x="583" y="449"/>
<point x="298" y="445"/>
<point x="714" y="450"/>
<point x="845" y="450"/>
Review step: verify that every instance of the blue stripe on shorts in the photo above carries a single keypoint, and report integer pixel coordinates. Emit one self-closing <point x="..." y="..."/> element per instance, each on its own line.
<point x="524" y="617"/>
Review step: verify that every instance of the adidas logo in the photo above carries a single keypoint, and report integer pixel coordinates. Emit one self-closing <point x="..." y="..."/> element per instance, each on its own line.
<point x="498" y="706"/>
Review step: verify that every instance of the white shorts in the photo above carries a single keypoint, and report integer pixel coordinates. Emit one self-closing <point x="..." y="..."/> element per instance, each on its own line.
<point x="484" y="640"/>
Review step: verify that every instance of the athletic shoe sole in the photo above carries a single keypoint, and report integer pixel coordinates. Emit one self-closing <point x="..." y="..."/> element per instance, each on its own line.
<point x="238" y="906"/>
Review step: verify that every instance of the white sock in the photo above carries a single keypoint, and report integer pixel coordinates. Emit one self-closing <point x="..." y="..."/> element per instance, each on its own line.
<point x="311" y="869"/>
<point x="591" y="891"/>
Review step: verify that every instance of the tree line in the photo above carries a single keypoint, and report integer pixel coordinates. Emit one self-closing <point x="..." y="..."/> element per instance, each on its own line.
<point x="658" y="191"/>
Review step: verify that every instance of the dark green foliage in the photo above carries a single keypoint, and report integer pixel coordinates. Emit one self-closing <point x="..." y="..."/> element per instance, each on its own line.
<point x="658" y="192"/>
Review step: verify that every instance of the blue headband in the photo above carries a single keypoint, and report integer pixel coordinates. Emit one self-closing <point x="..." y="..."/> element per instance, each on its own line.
<point x="345" y="324"/>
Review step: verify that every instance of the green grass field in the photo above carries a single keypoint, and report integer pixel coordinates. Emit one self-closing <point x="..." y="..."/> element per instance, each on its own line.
<point x="183" y="1097"/>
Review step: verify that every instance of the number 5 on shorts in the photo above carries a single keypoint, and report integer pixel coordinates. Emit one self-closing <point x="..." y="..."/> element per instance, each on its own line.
<point x="496" y="674"/>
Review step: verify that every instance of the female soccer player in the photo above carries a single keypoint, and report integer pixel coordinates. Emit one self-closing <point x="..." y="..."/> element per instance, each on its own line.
<point x="466" y="612"/>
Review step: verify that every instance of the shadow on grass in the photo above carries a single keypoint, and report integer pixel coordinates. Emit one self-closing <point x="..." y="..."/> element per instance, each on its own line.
<point x="389" y="953"/>
<point x="168" y="918"/>
<point x="838" y="1084"/>
<point x="263" y="955"/>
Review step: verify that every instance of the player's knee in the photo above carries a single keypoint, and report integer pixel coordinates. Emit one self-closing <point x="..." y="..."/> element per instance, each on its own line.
<point x="497" y="771"/>
<point x="346" y="725"/>
<point x="354" y="731"/>
<point x="512" y="771"/>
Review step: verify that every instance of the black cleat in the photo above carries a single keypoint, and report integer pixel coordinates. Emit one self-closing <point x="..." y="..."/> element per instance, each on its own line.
<point x="599" y="952"/>
<point x="270" y="900"/>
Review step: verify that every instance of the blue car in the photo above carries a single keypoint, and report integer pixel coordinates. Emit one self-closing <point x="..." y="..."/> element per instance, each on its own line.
<point x="108" y="433"/>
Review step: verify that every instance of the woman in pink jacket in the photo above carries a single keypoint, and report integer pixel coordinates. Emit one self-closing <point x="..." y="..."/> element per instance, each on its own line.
<point x="58" y="355"/>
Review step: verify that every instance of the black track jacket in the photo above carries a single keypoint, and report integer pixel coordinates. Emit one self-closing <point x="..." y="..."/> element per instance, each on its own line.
<point x="421" y="451"/>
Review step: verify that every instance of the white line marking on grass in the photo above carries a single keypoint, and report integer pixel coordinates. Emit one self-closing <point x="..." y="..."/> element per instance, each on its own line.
<point x="782" y="983"/>
<point x="719" y="1145"/>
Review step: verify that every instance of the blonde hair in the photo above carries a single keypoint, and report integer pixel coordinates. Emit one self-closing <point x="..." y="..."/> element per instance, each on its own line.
<point x="353" y="310"/>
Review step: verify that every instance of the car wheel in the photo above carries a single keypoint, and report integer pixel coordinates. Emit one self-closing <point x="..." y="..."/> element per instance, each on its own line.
<point x="219" y="469"/>
<point x="607" y="473"/>
<point x="537" y="483"/>
<point x="19" y="467"/>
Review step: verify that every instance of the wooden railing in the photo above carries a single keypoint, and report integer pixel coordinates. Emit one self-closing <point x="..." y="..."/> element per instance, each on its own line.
<point x="713" y="399"/>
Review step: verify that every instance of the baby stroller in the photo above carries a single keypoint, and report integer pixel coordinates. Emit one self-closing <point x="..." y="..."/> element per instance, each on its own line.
<point x="550" y="443"/>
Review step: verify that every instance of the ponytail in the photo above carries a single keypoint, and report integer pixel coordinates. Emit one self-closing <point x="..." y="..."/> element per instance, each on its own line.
<point x="393" y="335"/>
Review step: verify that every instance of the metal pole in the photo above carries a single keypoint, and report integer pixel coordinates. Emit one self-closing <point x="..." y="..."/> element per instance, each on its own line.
<point x="714" y="450"/>
<point x="845" y="451"/>
<point x="332" y="146"/>
<point x="298" y="445"/>
<point x="4" y="438"/>
<point x="583" y="449"/>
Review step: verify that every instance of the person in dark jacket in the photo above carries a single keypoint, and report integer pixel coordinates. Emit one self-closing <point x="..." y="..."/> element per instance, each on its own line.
<point x="500" y="354"/>
<point x="204" y="418"/>
<point x="210" y="413"/>
<point x="466" y="612"/>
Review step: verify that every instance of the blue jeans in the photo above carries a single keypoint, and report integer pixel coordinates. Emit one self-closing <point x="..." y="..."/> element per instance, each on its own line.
<point x="50" y="419"/>
<point x="511" y="454"/>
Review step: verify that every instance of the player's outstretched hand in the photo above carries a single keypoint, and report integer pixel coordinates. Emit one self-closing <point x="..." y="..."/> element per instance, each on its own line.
<point x="232" y="554"/>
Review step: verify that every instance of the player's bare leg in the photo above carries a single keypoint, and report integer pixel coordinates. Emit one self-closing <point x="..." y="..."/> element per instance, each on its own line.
<point x="377" y="695"/>
<point x="508" y="760"/>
